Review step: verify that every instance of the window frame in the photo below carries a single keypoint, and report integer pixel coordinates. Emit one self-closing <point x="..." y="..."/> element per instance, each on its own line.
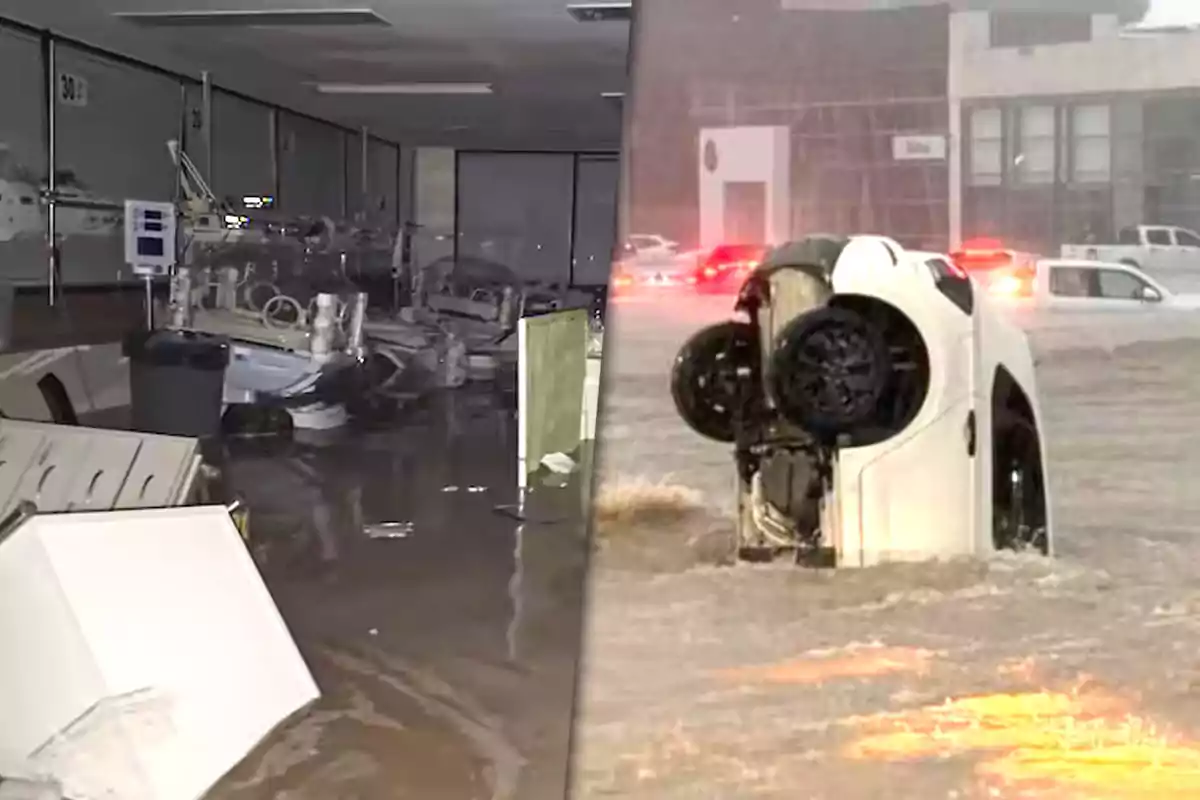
<point x="991" y="138"/>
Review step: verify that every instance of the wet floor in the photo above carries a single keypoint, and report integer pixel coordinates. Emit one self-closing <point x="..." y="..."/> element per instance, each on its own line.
<point x="444" y="633"/>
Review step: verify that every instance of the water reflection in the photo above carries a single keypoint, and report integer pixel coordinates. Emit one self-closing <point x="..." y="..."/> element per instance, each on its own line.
<point x="389" y="543"/>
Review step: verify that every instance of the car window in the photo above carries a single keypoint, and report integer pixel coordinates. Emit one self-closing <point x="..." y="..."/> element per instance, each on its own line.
<point x="953" y="284"/>
<point x="1158" y="236"/>
<point x="1073" y="282"/>
<point x="1117" y="284"/>
<point x="643" y="241"/>
<point x="1187" y="239"/>
<point x="1128" y="236"/>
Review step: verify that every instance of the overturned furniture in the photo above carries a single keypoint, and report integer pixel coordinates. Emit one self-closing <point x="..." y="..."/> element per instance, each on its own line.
<point x="68" y="468"/>
<point x="149" y="658"/>
<point x="880" y="409"/>
<point x="462" y="324"/>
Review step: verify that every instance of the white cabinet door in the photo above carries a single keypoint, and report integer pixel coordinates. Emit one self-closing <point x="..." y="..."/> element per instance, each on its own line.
<point x="18" y="448"/>
<point x="101" y="478"/>
<point x="159" y="474"/>
<point x="48" y="480"/>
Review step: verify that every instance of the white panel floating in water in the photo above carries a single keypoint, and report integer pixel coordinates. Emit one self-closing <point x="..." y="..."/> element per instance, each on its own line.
<point x="551" y="373"/>
<point x="152" y="658"/>
<point x="591" y="399"/>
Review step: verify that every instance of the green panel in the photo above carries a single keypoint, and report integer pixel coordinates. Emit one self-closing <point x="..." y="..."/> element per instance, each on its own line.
<point x="554" y="355"/>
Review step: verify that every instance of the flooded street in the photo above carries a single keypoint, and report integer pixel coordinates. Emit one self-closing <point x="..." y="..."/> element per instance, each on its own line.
<point x="442" y="632"/>
<point x="1011" y="677"/>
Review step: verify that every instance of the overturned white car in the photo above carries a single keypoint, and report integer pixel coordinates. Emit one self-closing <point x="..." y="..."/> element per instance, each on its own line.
<point x="879" y="408"/>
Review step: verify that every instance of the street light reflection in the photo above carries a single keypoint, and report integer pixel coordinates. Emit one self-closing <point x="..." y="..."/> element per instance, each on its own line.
<point x="1084" y="744"/>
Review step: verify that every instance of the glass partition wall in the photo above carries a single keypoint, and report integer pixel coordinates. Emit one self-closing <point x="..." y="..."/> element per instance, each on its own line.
<point x="549" y="216"/>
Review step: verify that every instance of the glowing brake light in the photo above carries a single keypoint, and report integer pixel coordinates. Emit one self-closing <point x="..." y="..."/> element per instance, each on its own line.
<point x="1007" y="286"/>
<point x="1012" y="283"/>
<point x="622" y="280"/>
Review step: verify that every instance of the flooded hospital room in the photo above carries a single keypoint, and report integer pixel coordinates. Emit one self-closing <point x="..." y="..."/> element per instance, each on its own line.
<point x="300" y="345"/>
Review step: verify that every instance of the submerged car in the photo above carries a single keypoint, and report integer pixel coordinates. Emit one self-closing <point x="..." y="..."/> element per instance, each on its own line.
<point x="725" y="268"/>
<point x="879" y="410"/>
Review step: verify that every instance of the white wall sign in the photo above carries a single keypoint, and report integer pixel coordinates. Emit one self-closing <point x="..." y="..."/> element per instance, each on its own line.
<point x="919" y="148"/>
<point x="72" y="90"/>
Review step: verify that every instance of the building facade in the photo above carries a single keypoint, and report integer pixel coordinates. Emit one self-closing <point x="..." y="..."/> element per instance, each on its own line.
<point x="1069" y="139"/>
<point x="929" y="121"/>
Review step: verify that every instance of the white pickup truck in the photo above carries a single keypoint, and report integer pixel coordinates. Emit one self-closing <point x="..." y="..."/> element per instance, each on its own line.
<point x="1161" y="250"/>
<point x="1082" y="285"/>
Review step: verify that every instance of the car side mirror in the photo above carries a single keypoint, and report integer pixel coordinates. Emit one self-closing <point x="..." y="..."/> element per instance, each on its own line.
<point x="1148" y="294"/>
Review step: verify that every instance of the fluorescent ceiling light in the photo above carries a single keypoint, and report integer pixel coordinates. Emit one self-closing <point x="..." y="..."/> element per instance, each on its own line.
<point x="602" y="11"/>
<point x="304" y="17"/>
<point x="612" y="95"/>
<point x="404" y="88"/>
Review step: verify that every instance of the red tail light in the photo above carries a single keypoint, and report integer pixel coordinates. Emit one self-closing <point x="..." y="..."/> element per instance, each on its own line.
<point x="981" y="255"/>
<point x="727" y="259"/>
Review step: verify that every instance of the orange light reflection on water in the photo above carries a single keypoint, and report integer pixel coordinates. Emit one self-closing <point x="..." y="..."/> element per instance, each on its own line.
<point x="1061" y="745"/>
<point x="864" y="662"/>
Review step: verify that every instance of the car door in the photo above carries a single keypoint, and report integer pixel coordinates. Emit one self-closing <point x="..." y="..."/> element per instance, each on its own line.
<point x="1187" y="247"/>
<point x="1161" y="254"/>
<point x="1123" y="290"/>
<point x="1070" y="288"/>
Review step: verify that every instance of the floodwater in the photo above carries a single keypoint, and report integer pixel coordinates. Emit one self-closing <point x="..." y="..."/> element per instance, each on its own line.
<point x="444" y="633"/>
<point x="1011" y="677"/>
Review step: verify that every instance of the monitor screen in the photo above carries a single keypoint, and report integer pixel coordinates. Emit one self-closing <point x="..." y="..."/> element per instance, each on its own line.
<point x="151" y="247"/>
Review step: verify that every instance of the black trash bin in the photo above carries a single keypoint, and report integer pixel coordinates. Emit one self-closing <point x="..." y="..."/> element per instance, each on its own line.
<point x="176" y="381"/>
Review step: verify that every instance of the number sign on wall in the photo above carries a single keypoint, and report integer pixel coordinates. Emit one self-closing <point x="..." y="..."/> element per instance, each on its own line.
<point x="72" y="90"/>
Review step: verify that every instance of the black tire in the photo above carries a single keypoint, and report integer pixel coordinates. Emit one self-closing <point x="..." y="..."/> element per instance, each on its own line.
<point x="1019" y="511"/>
<point x="715" y="371"/>
<point x="828" y="371"/>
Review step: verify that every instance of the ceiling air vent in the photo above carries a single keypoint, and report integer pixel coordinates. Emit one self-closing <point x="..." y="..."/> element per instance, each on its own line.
<point x="602" y="11"/>
<point x="272" y="18"/>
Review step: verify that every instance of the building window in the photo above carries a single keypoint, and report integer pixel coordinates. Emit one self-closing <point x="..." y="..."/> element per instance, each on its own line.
<point x="1091" y="144"/>
<point x="987" y="147"/>
<point x="1035" y="157"/>
<point x="1033" y="28"/>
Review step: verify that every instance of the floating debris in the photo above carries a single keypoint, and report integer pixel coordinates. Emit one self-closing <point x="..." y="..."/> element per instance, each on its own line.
<point x="388" y="530"/>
